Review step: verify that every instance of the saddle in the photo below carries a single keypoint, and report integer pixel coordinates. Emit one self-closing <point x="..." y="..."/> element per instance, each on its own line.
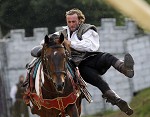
<point x="31" y="74"/>
<point x="32" y="67"/>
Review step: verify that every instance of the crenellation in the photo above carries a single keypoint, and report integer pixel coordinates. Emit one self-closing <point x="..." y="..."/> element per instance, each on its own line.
<point x="108" y="25"/>
<point x="39" y="33"/>
<point x="131" y="25"/>
<point x="17" y="35"/>
<point x="113" y="39"/>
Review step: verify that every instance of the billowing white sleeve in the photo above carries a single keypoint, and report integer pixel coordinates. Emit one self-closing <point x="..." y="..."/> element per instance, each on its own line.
<point x="90" y="42"/>
<point x="42" y="42"/>
<point x="13" y="92"/>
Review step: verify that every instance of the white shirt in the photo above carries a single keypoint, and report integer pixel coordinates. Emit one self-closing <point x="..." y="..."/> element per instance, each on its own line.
<point x="13" y="92"/>
<point x="90" y="41"/>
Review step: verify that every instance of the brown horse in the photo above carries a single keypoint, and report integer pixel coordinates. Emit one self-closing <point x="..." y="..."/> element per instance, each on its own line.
<point x="58" y="95"/>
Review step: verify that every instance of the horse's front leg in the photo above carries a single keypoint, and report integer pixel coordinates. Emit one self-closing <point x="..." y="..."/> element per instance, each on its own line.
<point x="72" y="110"/>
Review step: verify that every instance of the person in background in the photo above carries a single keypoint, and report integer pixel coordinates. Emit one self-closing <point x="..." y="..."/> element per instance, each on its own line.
<point x="19" y="108"/>
<point x="83" y="41"/>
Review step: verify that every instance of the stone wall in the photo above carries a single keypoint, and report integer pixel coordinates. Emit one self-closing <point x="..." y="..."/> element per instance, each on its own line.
<point x="4" y="102"/>
<point x="18" y="51"/>
<point x="116" y="40"/>
<point x="139" y="47"/>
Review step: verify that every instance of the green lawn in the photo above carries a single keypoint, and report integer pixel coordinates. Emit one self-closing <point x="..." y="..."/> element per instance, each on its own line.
<point x="140" y="104"/>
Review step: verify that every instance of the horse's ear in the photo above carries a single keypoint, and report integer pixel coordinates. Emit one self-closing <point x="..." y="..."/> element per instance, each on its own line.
<point x="46" y="39"/>
<point x="61" y="38"/>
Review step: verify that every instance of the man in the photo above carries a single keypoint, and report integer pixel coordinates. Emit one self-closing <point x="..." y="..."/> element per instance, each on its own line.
<point x="83" y="41"/>
<point x="16" y="94"/>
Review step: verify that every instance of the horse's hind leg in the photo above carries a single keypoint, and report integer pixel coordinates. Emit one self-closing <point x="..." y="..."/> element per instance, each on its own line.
<point x="72" y="111"/>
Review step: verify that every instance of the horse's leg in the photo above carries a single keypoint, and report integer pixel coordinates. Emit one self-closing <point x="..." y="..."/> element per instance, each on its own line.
<point x="79" y="110"/>
<point x="78" y="103"/>
<point x="72" y="111"/>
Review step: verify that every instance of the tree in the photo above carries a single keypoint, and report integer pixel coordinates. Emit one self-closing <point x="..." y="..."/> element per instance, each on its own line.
<point x="29" y="14"/>
<point x="15" y="14"/>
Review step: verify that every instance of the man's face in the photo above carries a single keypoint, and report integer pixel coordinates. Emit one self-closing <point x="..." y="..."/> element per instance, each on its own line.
<point x="21" y="79"/>
<point x="72" y="22"/>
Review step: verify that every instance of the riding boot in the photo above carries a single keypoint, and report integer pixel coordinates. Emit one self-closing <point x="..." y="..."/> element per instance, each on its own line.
<point x="114" y="99"/>
<point x="126" y="67"/>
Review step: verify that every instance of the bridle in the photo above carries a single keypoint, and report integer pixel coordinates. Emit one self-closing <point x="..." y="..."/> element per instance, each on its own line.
<point x="46" y="63"/>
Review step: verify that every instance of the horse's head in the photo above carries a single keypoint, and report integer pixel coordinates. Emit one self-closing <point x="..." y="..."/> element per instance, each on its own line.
<point x="54" y="60"/>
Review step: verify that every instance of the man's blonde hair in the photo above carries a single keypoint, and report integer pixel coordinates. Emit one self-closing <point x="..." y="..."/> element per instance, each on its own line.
<point x="79" y="13"/>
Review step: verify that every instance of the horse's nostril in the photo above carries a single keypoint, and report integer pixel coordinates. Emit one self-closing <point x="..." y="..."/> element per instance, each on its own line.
<point x="60" y="87"/>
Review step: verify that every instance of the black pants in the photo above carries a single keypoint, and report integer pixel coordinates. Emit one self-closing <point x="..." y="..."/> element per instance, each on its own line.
<point x="93" y="67"/>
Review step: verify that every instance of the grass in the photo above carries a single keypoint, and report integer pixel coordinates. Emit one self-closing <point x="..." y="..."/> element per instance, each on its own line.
<point x="140" y="104"/>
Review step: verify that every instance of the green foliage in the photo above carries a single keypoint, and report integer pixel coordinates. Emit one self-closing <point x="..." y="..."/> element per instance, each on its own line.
<point x="29" y="14"/>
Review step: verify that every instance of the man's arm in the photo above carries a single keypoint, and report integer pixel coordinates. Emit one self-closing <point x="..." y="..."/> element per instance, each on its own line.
<point x="90" y="42"/>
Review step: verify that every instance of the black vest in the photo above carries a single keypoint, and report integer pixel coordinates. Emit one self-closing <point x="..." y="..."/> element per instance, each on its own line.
<point x="78" y="56"/>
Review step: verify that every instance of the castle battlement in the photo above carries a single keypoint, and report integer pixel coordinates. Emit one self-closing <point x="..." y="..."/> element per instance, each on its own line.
<point x="114" y="39"/>
<point x="109" y="27"/>
<point x="110" y="24"/>
<point x="19" y="34"/>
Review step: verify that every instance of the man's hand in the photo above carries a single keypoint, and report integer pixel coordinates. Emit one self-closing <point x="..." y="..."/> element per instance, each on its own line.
<point x="67" y="43"/>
